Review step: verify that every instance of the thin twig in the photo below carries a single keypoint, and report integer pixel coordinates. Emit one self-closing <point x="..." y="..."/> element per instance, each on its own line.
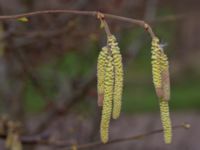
<point x="45" y="139"/>
<point x="135" y="137"/>
<point x="85" y="13"/>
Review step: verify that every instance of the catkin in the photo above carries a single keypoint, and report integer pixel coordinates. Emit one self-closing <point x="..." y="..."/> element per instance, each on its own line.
<point x="110" y="84"/>
<point x="108" y="96"/>
<point x="118" y="73"/>
<point x="160" y="71"/>
<point x="101" y="73"/>
<point x="156" y="66"/>
<point x="166" y="122"/>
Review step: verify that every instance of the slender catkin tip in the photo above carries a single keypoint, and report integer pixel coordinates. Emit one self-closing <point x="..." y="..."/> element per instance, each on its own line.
<point x="100" y="74"/>
<point x="166" y="121"/>
<point x="118" y="74"/>
<point x="107" y="103"/>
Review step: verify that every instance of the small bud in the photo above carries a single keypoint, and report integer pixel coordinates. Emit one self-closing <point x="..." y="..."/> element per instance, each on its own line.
<point x="23" y="19"/>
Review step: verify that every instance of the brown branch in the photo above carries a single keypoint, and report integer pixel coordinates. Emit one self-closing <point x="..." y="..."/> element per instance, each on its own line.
<point x="45" y="139"/>
<point x="85" y="13"/>
<point x="131" y="138"/>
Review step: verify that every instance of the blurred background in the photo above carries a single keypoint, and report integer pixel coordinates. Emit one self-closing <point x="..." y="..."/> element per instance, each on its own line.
<point x="48" y="71"/>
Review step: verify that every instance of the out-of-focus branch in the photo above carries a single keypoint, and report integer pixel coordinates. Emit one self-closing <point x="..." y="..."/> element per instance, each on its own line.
<point x="45" y="139"/>
<point x="131" y="138"/>
<point x="77" y="96"/>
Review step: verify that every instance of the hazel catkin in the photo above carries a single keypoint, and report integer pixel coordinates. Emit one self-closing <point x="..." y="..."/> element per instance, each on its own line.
<point x="118" y="73"/>
<point x="110" y="84"/>
<point x="101" y="74"/>
<point x="160" y="71"/>
<point x="156" y="66"/>
<point x="108" y="96"/>
<point x="166" y="122"/>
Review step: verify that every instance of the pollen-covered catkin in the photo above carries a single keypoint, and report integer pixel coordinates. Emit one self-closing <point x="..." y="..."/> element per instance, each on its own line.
<point x="118" y="72"/>
<point x="156" y="66"/>
<point x="108" y="96"/>
<point x="166" y="122"/>
<point x="101" y="73"/>
<point x="160" y="71"/>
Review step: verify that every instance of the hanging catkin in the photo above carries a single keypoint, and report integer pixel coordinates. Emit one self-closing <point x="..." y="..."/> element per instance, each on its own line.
<point x="156" y="66"/>
<point x="166" y="122"/>
<point x="160" y="71"/>
<point x="101" y="73"/>
<point x="108" y="96"/>
<point x="110" y="84"/>
<point x="118" y="72"/>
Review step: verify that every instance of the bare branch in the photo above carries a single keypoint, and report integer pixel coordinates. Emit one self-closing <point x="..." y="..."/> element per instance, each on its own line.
<point x="85" y="13"/>
<point x="131" y="138"/>
<point x="45" y="139"/>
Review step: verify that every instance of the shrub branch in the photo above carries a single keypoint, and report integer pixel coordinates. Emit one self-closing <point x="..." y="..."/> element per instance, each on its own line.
<point x="141" y="23"/>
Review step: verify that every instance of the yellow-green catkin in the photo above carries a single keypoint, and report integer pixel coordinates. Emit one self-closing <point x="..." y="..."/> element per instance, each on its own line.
<point x="108" y="96"/>
<point x="166" y="122"/>
<point x="160" y="71"/>
<point x="101" y="73"/>
<point x="156" y="66"/>
<point x="118" y="72"/>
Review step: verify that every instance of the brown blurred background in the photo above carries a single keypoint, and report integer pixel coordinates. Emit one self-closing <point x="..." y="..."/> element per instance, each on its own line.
<point x="48" y="70"/>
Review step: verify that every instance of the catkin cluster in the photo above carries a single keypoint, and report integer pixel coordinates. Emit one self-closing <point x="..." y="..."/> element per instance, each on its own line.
<point x="109" y="84"/>
<point x="160" y="71"/>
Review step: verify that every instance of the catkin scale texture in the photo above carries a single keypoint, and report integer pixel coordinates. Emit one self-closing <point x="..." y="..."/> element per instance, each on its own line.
<point x="110" y="84"/>
<point x="118" y="73"/>
<point x="156" y="66"/>
<point x="108" y="96"/>
<point x="166" y="122"/>
<point x="101" y="73"/>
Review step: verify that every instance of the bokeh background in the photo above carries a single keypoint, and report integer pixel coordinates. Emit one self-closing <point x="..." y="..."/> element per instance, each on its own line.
<point x="48" y="70"/>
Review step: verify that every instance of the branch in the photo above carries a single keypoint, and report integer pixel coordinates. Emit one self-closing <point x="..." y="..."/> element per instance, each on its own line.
<point x="131" y="138"/>
<point x="45" y="139"/>
<point x="85" y="13"/>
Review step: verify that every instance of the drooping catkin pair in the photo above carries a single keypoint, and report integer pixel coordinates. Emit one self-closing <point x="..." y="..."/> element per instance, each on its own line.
<point x="109" y="84"/>
<point x="160" y="71"/>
